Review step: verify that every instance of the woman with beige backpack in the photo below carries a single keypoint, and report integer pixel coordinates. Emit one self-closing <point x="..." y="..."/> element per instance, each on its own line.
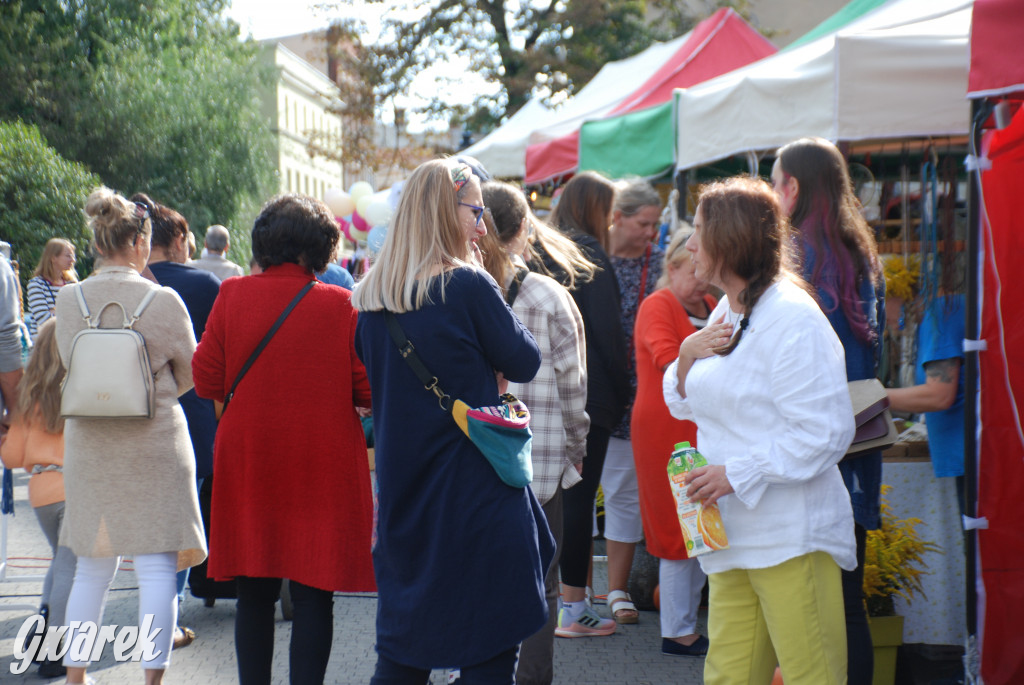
<point x="130" y="485"/>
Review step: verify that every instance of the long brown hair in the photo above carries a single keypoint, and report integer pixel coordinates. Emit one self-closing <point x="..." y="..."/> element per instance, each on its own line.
<point x="829" y="224"/>
<point x="745" y="233"/>
<point x="40" y="385"/>
<point x="54" y="248"/>
<point x="585" y="206"/>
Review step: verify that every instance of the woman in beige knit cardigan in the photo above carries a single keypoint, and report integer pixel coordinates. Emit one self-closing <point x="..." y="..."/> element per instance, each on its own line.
<point x="130" y="483"/>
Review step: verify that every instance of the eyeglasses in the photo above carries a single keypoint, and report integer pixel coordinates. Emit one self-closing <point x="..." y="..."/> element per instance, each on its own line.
<point x="141" y="213"/>
<point x="478" y="212"/>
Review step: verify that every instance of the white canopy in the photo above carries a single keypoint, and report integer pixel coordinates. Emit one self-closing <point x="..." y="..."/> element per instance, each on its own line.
<point x="503" y="151"/>
<point x="898" y="71"/>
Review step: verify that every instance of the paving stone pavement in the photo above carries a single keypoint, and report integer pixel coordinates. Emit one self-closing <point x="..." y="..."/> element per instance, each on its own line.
<point x="631" y="656"/>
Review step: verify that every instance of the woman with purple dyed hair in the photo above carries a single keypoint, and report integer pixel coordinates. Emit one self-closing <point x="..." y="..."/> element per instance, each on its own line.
<point x="840" y="260"/>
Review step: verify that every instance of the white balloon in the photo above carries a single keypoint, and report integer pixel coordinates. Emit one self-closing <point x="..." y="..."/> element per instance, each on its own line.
<point x="360" y="189"/>
<point x="362" y="205"/>
<point x="378" y="212"/>
<point x="339" y="202"/>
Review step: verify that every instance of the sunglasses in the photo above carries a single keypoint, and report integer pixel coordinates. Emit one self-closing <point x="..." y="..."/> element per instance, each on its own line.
<point x="478" y="212"/>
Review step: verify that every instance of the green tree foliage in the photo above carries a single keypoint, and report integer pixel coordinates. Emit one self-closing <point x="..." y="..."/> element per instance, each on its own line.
<point x="41" y="197"/>
<point x="530" y="47"/>
<point x="160" y="97"/>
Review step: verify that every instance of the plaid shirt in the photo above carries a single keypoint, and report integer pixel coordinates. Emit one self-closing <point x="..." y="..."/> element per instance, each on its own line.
<point x="557" y="396"/>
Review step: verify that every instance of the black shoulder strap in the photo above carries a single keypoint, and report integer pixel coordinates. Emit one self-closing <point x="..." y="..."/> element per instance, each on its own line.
<point x="408" y="352"/>
<point x="513" y="288"/>
<point x="266" y="339"/>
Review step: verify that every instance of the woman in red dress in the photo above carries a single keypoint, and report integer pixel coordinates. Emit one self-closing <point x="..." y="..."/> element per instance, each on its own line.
<point x="291" y="496"/>
<point x="679" y="307"/>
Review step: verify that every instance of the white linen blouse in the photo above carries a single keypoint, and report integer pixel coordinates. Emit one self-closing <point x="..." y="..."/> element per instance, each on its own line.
<point x="776" y="412"/>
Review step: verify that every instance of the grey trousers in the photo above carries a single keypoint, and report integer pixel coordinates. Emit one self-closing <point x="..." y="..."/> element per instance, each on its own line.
<point x="536" y="657"/>
<point x="57" y="585"/>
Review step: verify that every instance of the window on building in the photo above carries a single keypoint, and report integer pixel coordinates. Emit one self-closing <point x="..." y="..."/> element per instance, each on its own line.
<point x="286" y="112"/>
<point x="288" y="187"/>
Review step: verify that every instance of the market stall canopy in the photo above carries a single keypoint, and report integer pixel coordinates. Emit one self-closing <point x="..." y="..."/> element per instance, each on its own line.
<point x="897" y="71"/>
<point x="503" y="151"/>
<point x="643" y="143"/>
<point x="720" y="43"/>
<point x="996" y="34"/>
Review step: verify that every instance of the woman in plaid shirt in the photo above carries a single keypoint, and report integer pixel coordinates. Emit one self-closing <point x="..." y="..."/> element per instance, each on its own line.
<point x="557" y="395"/>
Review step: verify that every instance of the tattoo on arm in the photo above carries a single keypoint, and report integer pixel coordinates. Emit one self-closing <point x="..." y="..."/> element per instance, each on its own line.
<point x="942" y="370"/>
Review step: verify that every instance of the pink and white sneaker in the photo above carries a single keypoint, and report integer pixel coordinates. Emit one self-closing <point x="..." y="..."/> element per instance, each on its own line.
<point x="588" y="624"/>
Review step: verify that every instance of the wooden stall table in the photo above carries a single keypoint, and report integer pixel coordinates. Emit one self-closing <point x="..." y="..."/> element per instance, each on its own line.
<point x="938" y="617"/>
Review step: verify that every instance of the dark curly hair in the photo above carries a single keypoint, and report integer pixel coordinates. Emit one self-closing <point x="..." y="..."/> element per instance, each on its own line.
<point x="295" y="229"/>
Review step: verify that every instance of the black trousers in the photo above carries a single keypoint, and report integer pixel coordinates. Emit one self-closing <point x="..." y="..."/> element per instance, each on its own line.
<point x="578" y="511"/>
<point x="859" y="652"/>
<point x="312" y="631"/>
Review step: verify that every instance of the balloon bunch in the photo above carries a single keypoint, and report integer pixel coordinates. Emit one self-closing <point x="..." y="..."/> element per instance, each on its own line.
<point x="361" y="213"/>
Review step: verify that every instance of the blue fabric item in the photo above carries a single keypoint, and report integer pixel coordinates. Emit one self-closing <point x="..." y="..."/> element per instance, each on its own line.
<point x="7" y="494"/>
<point x="198" y="289"/>
<point x="336" y="275"/>
<point x="862" y="475"/>
<point x="456" y="547"/>
<point x="941" y="336"/>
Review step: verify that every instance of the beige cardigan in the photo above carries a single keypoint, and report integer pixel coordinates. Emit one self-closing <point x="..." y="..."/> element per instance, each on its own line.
<point x="131" y="483"/>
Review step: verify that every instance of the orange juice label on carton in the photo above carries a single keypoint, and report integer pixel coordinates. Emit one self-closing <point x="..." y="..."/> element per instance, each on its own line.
<point x="702" y="526"/>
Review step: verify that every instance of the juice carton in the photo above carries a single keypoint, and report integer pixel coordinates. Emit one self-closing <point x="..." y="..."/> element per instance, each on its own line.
<point x="702" y="526"/>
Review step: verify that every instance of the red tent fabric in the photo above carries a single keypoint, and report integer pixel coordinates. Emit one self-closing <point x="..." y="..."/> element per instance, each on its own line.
<point x="997" y="29"/>
<point x="1001" y="381"/>
<point x="719" y="44"/>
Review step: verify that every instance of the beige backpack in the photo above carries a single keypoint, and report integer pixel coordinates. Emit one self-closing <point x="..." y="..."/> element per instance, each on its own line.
<point x="109" y="375"/>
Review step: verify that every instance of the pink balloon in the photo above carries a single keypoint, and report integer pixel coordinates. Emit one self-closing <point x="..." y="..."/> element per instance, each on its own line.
<point x="359" y="222"/>
<point x="344" y="226"/>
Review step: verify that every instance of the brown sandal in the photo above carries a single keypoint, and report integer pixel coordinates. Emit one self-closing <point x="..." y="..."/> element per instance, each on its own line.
<point x="183" y="637"/>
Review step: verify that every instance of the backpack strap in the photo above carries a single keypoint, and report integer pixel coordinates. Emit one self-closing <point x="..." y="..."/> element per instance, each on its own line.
<point x="127" y="322"/>
<point x="142" y="306"/>
<point x="513" y="288"/>
<point x="83" y="307"/>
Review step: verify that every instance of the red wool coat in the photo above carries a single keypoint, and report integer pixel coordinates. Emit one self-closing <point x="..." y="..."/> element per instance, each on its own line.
<point x="291" y="496"/>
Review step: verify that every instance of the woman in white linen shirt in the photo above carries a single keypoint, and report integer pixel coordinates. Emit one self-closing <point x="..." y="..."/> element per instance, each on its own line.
<point x="773" y="419"/>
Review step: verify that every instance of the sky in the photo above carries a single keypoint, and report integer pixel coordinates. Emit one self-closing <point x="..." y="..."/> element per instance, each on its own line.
<point x="272" y="18"/>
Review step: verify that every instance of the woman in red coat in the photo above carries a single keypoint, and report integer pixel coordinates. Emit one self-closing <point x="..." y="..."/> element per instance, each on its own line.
<point x="292" y="484"/>
<point x="666" y="317"/>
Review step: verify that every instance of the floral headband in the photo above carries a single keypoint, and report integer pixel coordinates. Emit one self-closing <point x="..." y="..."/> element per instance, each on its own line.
<point x="460" y="176"/>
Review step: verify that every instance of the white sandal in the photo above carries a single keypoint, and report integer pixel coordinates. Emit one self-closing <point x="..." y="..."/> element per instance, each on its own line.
<point x="622" y="607"/>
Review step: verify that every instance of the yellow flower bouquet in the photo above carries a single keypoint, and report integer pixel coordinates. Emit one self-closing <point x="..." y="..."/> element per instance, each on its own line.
<point x="893" y="561"/>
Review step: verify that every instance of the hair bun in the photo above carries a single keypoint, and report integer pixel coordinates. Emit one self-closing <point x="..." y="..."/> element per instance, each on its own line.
<point x="102" y="203"/>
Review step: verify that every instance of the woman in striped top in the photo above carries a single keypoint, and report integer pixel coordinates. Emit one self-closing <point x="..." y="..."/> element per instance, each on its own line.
<point x="55" y="270"/>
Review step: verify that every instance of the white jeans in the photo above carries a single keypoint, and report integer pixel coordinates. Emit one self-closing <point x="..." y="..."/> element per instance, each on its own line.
<point x="681" y="582"/>
<point x="622" y="522"/>
<point x="157" y="596"/>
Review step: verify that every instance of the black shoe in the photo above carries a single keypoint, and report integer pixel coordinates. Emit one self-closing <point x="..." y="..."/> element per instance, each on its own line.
<point x="673" y="648"/>
<point x="52" y="669"/>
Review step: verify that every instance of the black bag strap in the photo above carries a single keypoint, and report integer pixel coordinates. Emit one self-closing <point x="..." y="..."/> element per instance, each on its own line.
<point x="408" y="352"/>
<point x="266" y="339"/>
<point x="513" y="288"/>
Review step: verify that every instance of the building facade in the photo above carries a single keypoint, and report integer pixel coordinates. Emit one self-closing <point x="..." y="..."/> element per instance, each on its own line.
<point x="303" y="110"/>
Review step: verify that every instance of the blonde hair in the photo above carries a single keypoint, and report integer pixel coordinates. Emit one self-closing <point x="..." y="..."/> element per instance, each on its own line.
<point x="55" y="248"/>
<point x="115" y="222"/>
<point x="675" y="254"/>
<point x="40" y="385"/>
<point x="424" y="240"/>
